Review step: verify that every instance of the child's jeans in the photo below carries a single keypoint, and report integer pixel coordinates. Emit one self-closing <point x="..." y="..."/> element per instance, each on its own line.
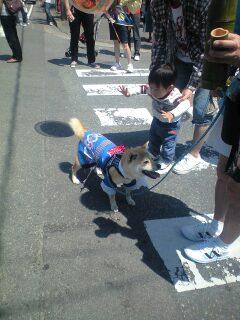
<point x="163" y="135"/>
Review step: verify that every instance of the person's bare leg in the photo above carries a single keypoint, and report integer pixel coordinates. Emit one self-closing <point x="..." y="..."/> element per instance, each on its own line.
<point x="199" y="130"/>
<point x="231" y="229"/>
<point x="221" y="199"/>
<point x="117" y="50"/>
<point x="127" y="52"/>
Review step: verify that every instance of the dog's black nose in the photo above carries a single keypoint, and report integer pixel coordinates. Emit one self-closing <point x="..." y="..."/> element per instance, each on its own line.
<point x="158" y="166"/>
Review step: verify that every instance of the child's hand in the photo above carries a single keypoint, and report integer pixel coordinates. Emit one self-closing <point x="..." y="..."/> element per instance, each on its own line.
<point x="167" y="115"/>
<point x="124" y="91"/>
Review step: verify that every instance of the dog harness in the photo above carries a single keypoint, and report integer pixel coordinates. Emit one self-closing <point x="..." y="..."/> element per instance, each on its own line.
<point x="96" y="150"/>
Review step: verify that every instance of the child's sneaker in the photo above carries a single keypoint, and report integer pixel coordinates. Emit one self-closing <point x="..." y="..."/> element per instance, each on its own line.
<point x="116" y="66"/>
<point x="129" y="68"/>
<point x="164" y="167"/>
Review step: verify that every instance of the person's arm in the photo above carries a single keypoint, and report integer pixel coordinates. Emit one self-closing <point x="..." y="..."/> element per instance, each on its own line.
<point x="180" y="109"/>
<point x="159" y="36"/>
<point x="226" y="51"/>
<point x="69" y="14"/>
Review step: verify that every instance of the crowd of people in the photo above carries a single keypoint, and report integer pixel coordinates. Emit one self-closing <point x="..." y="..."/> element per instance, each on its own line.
<point x="178" y="30"/>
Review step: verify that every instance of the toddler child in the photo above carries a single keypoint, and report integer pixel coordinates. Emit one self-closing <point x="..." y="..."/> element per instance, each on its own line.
<point x="167" y="110"/>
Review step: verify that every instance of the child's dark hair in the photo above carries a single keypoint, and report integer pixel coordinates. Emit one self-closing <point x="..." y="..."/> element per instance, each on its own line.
<point x="165" y="75"/>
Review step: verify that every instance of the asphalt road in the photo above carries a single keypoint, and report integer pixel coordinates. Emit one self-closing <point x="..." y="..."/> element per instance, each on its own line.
<point x="62" y="254"/>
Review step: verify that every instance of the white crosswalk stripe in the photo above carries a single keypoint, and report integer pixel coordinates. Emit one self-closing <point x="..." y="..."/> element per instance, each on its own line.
<point x="88" y="73"/>
<point x="109" y="89"/>
<point x="123" y="116"/>
<point x="30" y="11"/>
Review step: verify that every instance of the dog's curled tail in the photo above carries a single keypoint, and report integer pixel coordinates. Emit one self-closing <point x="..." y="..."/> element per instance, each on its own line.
<point x="77" y="127"/>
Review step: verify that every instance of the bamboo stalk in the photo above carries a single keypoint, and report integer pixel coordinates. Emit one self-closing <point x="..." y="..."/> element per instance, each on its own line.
<point x="221" y="14"/>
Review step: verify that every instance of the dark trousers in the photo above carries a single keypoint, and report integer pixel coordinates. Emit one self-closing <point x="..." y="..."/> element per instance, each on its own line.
<point x="10" y="30"/>
<point x="136" y="34"/>
<point x="163" y="135"/>
<point x="86" y="20"/>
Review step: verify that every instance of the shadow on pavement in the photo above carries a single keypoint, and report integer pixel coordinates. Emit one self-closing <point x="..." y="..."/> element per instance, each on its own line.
<point x="60" y="61"/>
<point x="65" y="167"/>
<point x="106" y="52"/>
<point x="4" y="57"/>
<point x="38" y="21"/>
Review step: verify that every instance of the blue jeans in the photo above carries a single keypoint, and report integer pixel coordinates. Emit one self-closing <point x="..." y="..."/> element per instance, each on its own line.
<point x="201" y="98"/>
<point x="48" y="12"/>
<point x="163" y="135"/>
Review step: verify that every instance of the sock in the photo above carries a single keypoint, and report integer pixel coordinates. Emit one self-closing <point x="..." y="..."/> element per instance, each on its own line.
<point x="224" y="246"/>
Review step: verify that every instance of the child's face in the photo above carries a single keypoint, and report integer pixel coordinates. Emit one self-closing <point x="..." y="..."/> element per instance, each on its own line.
<point x="158" y="91"/>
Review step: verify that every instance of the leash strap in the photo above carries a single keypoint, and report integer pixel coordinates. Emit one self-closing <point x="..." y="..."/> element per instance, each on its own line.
<point x="85" y="181"/>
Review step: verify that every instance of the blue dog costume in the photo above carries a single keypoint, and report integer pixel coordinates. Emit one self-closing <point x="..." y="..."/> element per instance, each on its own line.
<point x="96" y="150"/>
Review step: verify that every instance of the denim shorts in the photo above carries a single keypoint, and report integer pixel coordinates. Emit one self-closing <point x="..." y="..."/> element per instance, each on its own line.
<point x="201" y="99"/>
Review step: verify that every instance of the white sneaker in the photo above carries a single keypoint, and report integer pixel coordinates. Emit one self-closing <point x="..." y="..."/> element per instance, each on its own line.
<point x="202" y="230"/>
<point x="129" y="68"/>
<point x="73" y="64"/>
<point x="116" y="66"/>
<point x="136" y="57"/>
<point x="208" y="251"/>
<point x="187" y="164"/>
<point x="164" y="167"/>
<point x="50" y="23"/>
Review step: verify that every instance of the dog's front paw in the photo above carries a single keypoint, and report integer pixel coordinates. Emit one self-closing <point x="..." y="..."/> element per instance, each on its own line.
<point x="99" y="173"/>
<point x="131" y="202"/>
<point x="75" y="180"/>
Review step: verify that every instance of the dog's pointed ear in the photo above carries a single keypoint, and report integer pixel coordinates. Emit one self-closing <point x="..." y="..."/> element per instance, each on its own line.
<point x="131" y="155"/>
<point x="145" y="146"/>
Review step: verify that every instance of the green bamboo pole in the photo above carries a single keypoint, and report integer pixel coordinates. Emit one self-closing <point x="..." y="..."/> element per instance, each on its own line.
<point x="221" y="14"/>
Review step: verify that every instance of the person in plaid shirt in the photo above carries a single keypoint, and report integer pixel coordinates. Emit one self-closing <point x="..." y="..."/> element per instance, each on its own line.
<point x="179" y="36"/>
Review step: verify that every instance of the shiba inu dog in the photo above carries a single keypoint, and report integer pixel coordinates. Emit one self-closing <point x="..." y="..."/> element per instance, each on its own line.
<point x="120" y="166"/>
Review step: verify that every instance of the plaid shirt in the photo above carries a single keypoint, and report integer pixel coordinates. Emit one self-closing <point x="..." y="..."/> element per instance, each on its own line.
<point x="165" y="44"/>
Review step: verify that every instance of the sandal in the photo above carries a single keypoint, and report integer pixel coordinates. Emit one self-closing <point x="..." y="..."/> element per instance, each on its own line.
<point x="13" y="60"/>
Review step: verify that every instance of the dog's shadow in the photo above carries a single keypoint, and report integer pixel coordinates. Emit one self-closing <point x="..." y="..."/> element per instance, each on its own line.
<point x="149" y="206"/>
